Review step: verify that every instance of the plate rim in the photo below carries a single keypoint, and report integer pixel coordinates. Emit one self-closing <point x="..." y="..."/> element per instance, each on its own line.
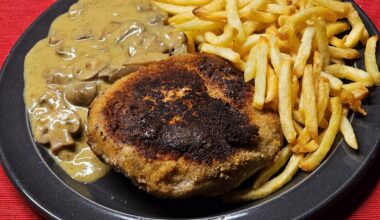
<point x="323" y="205"/>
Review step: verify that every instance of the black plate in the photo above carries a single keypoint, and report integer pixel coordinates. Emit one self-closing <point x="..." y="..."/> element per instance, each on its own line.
<point x="57" y="196"/>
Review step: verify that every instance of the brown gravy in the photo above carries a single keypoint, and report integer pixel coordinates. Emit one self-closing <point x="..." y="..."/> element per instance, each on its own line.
<point x="92" y="45"/>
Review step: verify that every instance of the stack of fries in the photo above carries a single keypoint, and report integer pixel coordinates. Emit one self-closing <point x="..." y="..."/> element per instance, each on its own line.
<point x="295" y="52"/>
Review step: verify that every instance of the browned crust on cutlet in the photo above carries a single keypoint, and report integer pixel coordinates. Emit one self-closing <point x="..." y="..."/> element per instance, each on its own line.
<point x="168" y="111"/>
<point x="169" y="177"/>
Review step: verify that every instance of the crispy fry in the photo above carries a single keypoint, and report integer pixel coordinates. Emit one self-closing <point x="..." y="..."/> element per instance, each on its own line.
<point x="252" y="5"/>
<point x="350" y="73"/>
<point x="354" y="36"/>
<point x="275" y="54"/>
<point x="184" y="2"/>
<point x="309" y="147"/>
<point x="261" y="73"/>
<point x="272" y="90"/>
<point x="337" y="42"/>
<point x="233" y="19"/>
<point x="285" y="101"/>
<point x="205" y="10"/>
<point x="345" y="53"/>
<point x="322" y="40"/>
<point x="335" y="28"/>
<point x="250" y="68"/>
<point x="302" y="16"/>
<point x="360" y="93"/>
<point x="224" y="52"/>
<point x="310" y="103"/>
<point x="348" y="133"/>
<point x="335" y="83"/>
<point x="181" y="18"/>
<point x="199" y="25"/>
<point x="279" y="9"/>
<point x="295" y="88"/>
<point x="279" y="161"/>
<point x="312" y="160"/>
<point x="370" y="60"/>
<point x="251" y="40"/>
<point x="268" y="187"/>
<point x="304" y="51"/>
<point x="172" y="9"/>
<point x="303" y="139"/>
<point x="223" y="40"/>
<point x="355" y="20"/>
<point x="263" y="17"/>
<point x="336" y="6"/>
<point x="323" y="99"/>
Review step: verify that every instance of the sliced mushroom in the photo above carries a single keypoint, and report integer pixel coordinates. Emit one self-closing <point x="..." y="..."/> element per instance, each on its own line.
<point x="129" y="29"/>
<point x="90" y="69"/>
<point x="56" y="76"/>
<point x="81" y="93"/>
<point x="50" y="101"/>
<point x="57" y="128"/>
<point x="66" y="52"/>
<point x="159" y="18"/>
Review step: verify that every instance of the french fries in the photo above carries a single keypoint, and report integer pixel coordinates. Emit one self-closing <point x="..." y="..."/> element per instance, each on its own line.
<point x="261" y="73"/>
<point x="295" y="52"/>
<point x="370" y="60"/>
<point x="304" y="51"/>
<point x="311" y="118"/>
<point x="350" y="73"/>
<point x="268" y="187"/>
<point x="279" y="161"/>
<point x="312" y="160"/>
<point x="322" y="40"/>
<point x="348" y="133"/>
<point x="285" y="101"/>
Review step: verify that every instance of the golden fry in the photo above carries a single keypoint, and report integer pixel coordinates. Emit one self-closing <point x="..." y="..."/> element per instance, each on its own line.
<point x="323" y="99"/>
<point x="285" y="102"/>
<point x="261" y="73"/>
<point x="233" y="19"/>
<point x="184" y="2"/>
<point x="181" y="18"/>
<point x="310" y="102"/>
<point x="172" y="9"/>
<point x="322" y="41"/>
<point x="345" y="53"/>
<point x="370" y="60"/>
<point x="348" y="133"/>
<point x="312" y="160"/>
<point x="272" y="90"/>
<point x="268" y="187"/>
<point x="350" y="73"/>
<point x="333" y="29"/>
<point x="199" y="25"/>
<point x="250" y="68"/>
<point x="223" y="40"/>
<point x="304" y="51"/>
<point x="279" y="161"/>
<point x="275" y="54"/>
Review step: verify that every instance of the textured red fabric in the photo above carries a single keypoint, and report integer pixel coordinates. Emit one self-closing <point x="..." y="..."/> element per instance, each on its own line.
<point x="362" y="202"/>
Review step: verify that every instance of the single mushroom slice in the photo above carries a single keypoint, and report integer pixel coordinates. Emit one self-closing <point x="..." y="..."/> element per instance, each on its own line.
<point x="81" y="93"/>
<point x="57" y="129"/>
<point x="90" y="69"/>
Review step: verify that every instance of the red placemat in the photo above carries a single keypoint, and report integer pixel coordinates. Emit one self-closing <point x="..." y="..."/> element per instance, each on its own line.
<point x="363" y="202"/>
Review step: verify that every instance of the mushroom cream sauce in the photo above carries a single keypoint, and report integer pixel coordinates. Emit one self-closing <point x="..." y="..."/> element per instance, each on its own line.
<point x="92" y="45"/>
